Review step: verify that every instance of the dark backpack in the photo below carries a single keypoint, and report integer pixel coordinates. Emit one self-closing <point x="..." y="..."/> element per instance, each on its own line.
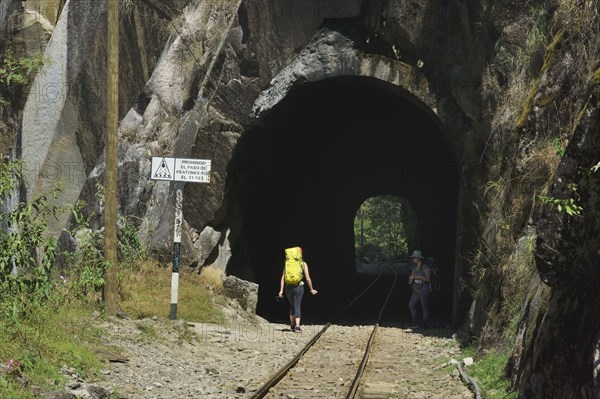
<point x="434" y="279"/>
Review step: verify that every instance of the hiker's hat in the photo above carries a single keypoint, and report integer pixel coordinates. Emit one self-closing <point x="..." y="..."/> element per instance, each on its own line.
<point x="416" y="254"/>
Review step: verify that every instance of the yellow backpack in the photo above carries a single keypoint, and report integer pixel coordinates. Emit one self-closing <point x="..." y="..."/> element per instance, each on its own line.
<point x="293" y="266"/>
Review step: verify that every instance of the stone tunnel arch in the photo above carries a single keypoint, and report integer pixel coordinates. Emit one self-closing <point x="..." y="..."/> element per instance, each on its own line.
<point x="298" y="176"/>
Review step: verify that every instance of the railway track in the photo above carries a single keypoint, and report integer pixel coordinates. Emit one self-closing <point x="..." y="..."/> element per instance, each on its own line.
<point x="407" y="365"/>
<point x="328" y="368"/>
<point x="369" y="362"/>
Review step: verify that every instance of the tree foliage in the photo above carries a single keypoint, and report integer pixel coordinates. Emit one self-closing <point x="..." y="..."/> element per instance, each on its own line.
<point x="380" y="228"/>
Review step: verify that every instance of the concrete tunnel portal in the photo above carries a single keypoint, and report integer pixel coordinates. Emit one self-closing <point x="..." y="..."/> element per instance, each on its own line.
<point x="299" y="176"/>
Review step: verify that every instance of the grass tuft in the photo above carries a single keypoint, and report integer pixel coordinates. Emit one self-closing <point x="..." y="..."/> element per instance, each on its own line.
<point x="148" y="293"/>
<point x="488" y="371"/>
<point x="212" y="278"/>
<point x="44" y="339"/>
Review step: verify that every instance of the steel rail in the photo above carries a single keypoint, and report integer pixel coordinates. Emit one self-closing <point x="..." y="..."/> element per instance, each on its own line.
<point x="363" y="364"/>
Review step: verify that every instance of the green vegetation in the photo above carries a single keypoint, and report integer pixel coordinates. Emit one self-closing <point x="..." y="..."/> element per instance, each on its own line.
<point x="548" y="61"/>
<point x="87" y="265"/>
<point x="148" y="285"/>
<point x="24" y="245"/>
<point x="489" y="367"/>
<point x="15" y="72"/>
<point x="567" y="205"/>
<point x="39" y="327"/>
<point x="559" y="147"/>
<point x="595" y="84"/>
<point x="45" y="308"/>
<point x="41" y="339"/>
<point x="384" y="228"/>
<point x="488" y="371"/>
<point x="148" y="331"/>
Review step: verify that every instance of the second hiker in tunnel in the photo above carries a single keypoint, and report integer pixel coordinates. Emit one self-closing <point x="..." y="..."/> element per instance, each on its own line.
<point x="294" y="273"/>
<point x="419" y="280"/>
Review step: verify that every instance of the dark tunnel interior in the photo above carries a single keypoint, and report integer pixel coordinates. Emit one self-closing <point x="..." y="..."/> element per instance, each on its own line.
<point x="299" y="177"/>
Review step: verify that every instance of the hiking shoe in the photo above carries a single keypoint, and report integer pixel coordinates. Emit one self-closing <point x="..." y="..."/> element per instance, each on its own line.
<point x="298" y="329"/>
<point x="293" y="327"/>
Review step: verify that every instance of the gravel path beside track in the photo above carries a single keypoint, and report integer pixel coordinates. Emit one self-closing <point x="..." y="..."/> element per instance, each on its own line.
<point x="407" y="364"/>
<point x="158" y="358"/>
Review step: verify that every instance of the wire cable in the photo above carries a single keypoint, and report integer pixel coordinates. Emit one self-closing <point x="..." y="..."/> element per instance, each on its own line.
<point x="469" y="381"/>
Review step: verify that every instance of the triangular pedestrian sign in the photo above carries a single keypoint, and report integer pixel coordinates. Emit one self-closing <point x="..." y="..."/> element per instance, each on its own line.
<point x="163" y="171"/>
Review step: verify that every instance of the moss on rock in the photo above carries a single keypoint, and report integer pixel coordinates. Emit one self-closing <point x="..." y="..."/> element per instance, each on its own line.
<point x="549" y="60"/>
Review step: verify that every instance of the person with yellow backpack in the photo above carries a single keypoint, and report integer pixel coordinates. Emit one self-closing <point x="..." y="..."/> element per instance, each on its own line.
<point x="294" y="273"/>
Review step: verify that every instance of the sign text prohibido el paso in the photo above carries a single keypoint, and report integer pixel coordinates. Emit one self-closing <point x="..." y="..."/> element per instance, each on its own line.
<point x="180" y="171"/>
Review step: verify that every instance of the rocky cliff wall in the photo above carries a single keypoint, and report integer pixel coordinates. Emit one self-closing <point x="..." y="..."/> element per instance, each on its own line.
<point x="536" y="267"/>
<point x="62" y="129"/>
<point x="25" y="28"/>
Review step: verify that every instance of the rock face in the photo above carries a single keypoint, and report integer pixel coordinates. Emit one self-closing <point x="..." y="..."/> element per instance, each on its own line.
<point x="542" y="190"/>
<point x="61" y="138"/>
<point x="567" y="255"/>
<point x="25" y="28"/>
<point x="200" y="79"/>
<point x="244" y="292"/>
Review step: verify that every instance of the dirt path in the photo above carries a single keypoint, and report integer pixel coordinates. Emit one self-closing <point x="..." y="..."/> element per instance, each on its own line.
<point x="157" y="358"/>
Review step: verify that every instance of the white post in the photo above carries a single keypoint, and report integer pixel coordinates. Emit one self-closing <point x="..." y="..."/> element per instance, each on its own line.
<point x="176" y="247"/>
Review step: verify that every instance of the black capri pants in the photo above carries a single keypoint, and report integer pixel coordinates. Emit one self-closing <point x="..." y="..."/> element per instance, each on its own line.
<point x="294" y="294"/>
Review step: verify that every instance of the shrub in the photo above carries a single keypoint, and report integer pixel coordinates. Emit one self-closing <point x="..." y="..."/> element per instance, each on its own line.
<point x="16" y="72"/>
<point x="85" y="265"/>
<point x="27" y="253"/>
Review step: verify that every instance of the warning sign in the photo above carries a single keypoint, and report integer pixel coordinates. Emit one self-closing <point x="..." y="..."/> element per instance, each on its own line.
<point x="181" y="169"/>
<point x="192" y="170"/>
<point x="162" y="168"/>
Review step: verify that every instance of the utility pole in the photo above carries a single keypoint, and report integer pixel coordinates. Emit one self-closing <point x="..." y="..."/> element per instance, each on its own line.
<point x="110" y="172"/>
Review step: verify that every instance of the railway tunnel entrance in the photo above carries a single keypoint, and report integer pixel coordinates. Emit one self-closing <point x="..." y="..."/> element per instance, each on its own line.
<point x="299" y="177"/>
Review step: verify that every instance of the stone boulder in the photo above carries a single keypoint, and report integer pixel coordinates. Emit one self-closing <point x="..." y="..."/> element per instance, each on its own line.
<point x="244" y="292"/>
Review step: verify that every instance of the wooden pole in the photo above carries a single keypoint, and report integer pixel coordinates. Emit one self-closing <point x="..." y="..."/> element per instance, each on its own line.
<point x="110" y="176"/>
